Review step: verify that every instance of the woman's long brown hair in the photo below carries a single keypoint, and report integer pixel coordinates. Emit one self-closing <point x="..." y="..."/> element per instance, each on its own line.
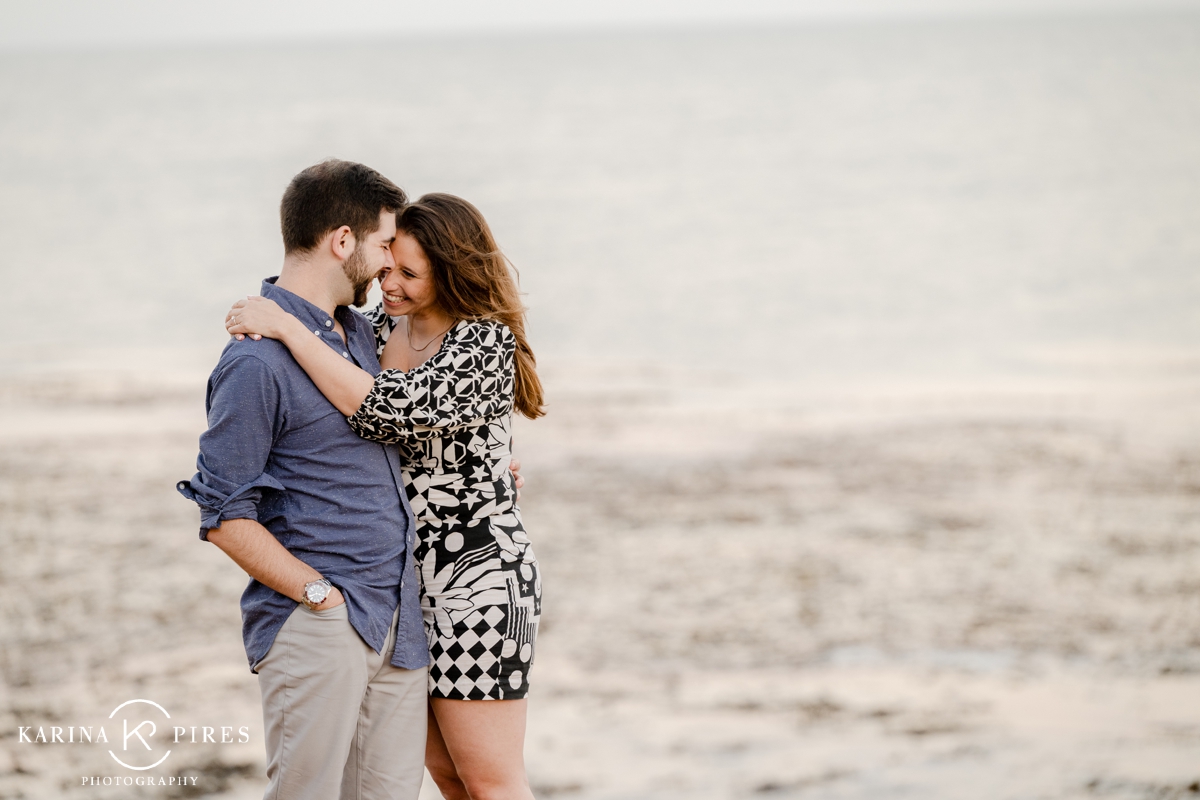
<point x="473" y="279"/>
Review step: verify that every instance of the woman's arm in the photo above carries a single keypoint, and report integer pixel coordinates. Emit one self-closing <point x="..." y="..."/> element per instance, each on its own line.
<point x="469" y="379"/>
<point x="343" y="384"/>
<point x="347" y="386"/>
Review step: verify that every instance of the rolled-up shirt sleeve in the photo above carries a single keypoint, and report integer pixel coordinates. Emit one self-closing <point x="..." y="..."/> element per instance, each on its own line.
<point x="244" y="415"/>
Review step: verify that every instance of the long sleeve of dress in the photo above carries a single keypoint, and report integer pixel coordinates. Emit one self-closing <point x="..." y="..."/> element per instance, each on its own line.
<point x="467" y="383"/>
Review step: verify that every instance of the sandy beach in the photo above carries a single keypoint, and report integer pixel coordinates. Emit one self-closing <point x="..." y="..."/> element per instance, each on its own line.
<point x="936" y="595"/>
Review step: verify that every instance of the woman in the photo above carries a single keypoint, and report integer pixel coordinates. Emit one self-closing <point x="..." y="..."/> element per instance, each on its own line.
<point x="451" y="339"/>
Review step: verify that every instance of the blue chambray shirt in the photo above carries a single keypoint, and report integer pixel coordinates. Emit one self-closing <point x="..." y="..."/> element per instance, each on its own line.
<point x="277" y="451"/>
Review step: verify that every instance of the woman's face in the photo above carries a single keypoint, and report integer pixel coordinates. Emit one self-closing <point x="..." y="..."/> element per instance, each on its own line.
<point x="408" y="287"/>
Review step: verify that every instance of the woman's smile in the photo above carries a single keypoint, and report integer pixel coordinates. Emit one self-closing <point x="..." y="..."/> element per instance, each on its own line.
<point x="394" y="300"/>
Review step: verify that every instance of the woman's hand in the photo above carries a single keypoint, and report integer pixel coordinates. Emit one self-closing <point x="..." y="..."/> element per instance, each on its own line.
<point x="257" y="317"/>
<point x="515" y="467"/>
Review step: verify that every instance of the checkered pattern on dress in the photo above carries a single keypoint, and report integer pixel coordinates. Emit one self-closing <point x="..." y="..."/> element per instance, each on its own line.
<point x="464" y="665"/>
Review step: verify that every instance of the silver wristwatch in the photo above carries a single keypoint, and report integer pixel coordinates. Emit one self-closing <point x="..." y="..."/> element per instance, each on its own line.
<point x="315" y="592"/>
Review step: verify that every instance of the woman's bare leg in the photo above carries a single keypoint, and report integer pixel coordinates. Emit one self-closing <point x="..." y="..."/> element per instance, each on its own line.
<point x="440" y="765"/>
<point x="485" y="740"/>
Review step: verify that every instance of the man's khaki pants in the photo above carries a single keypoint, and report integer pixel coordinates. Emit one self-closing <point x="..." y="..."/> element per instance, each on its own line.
<point x="340" y="720"/>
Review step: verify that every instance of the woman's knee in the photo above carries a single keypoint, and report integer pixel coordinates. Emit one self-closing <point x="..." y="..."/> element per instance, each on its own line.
<point x="444" y="774"/>
<point x="448" y="782"/>
<point x="491" y="787"/>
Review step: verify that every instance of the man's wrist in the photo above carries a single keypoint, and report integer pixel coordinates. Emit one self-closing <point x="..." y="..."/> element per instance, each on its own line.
<point x="334" y="598"/>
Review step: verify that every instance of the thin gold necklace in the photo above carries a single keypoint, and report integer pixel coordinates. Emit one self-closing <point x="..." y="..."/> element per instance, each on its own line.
<point x="408" y="333"/>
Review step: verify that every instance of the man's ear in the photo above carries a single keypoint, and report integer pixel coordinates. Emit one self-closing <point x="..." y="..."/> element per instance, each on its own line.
<point x="342" y="243"/>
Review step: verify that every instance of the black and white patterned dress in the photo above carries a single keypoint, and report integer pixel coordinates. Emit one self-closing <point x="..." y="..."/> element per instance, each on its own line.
<point x="481" y="589"/>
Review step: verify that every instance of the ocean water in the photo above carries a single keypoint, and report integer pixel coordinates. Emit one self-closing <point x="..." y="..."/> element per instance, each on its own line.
<point x="927" y="199"/>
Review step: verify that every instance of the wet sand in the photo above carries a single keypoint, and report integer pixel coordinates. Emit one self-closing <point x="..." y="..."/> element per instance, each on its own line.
<point x="939" y="595"/>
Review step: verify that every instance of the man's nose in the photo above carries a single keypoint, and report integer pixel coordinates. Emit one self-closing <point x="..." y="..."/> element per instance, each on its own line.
<point x="387" y="270"/>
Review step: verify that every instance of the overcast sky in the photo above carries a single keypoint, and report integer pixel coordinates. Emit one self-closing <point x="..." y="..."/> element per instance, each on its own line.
<point x="69" y="23"/>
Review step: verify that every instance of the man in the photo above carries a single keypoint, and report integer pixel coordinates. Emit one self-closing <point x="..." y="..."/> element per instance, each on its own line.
<point x="318" y="517"/>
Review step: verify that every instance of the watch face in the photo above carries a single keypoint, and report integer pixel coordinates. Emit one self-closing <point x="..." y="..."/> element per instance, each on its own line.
<point x="316" y="593"/>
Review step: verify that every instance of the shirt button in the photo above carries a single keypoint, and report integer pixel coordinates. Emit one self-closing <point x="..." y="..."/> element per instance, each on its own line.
<point x="328" y="322"/>
<point x="345" y="354"/>
<point x="317" y="331"/>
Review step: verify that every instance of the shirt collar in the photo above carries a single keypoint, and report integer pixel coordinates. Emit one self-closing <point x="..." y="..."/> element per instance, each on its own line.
<point x="314" y="318"/>
<point x="360" y="337"/>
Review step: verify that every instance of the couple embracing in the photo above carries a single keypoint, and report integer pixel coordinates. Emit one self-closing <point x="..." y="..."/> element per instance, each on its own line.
<point x="359" y="469"/>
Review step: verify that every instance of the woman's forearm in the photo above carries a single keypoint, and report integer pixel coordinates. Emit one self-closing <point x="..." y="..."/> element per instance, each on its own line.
<point x="343" y="384"/>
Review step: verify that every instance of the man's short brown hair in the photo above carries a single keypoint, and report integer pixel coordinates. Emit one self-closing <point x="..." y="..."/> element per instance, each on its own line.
<point x="331" y="194"/>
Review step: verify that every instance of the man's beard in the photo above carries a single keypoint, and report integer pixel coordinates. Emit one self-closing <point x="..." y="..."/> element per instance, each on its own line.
<point x="360" y="275"/>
